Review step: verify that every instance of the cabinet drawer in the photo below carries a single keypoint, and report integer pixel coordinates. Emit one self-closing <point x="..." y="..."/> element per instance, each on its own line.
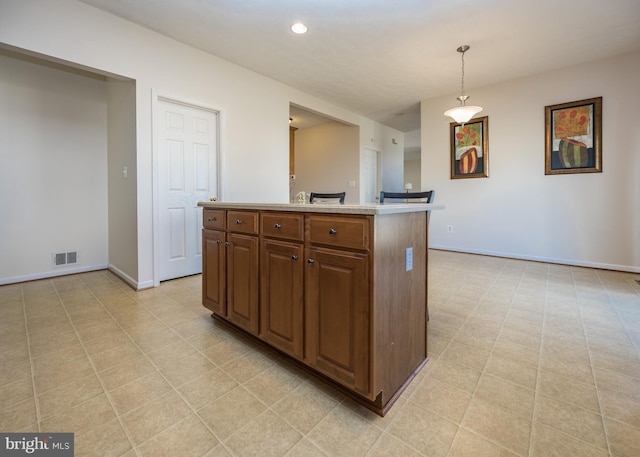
<point x="213" y="219"/>
<point x="282" y="225"/>
<point x="242" y="222"/>
<point x="348" y="232"/>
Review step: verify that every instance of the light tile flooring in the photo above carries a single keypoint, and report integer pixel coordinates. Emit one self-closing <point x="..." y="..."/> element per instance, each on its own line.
<point x="526" y="359"/>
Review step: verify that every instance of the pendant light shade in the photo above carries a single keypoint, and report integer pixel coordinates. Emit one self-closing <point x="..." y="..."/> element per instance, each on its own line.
<point x="463" y="113"/>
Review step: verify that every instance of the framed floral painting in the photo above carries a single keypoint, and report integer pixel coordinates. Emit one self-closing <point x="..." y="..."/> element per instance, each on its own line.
<point x="573" y="137"/>
<point x="470" y="149"/>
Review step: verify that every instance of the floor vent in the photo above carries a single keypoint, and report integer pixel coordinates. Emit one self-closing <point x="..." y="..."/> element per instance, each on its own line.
<point x="65" y="258"/>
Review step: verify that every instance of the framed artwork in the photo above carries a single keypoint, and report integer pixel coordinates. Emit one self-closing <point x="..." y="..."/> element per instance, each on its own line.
<point x="470" y="148"/>
<point x="573" y="137"/>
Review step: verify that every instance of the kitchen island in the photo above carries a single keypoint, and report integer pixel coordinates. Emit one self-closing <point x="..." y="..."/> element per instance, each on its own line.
<point x="340" y="289"/>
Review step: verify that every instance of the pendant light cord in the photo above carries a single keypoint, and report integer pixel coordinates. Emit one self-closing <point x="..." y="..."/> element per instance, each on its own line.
<point x="462" y="83"/>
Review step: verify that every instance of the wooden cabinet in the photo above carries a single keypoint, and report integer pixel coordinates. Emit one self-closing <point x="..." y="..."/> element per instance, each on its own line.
<point x="242" y="281"/>
<point x="342" y="294"/>
<point x="214" y="277"/>
<point x="337" y="299"/>
<point x="230" y="267"/>
<point x="340" y="231"/>
<point x="281" y="291"/>
<point x="214" y="261"/>
<point x="338" y="310"/>
<point x="282" y="282"/>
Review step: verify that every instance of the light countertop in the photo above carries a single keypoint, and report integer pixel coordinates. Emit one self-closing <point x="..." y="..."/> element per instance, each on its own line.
<point x="371" y="209"/>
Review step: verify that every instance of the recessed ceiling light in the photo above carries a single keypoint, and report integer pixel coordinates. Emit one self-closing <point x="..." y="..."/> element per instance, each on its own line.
<point x="299" y="28"/>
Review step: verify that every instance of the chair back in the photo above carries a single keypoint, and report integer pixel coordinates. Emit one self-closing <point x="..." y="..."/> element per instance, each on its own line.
<point x="428" y="195"/>
<point x="317" y="197"/>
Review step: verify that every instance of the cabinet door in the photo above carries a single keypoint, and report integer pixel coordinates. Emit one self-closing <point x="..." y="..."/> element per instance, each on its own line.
<point x="338" y="314"/>
<point x="213" y="271"/>
<point x="242" y="281"/>
<point x="281" y="296"/>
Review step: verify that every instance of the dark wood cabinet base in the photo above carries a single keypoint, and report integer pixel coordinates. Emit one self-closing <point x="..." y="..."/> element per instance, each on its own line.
<point x="339" y="291"/>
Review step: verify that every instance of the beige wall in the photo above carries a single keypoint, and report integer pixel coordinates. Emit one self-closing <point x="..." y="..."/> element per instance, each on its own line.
<point x="123" y="190"/>
<point x="583" y="219"/>
<point x="412" y="174"/>
<point x="327" y="159"/>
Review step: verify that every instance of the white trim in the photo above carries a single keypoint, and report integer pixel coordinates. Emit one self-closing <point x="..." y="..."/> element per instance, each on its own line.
<point x="129" y="280"/>
<point x="574" y="263"/>
<point x="51" y="274"/>
<point x="155" y="216"/>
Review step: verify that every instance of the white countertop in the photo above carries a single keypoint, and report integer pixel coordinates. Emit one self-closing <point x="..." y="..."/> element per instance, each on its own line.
<point x="372" y="209"/>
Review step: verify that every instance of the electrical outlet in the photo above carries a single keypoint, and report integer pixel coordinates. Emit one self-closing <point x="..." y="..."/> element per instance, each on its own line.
<point x="408" y="259"/>
<point x="450" y="228"/>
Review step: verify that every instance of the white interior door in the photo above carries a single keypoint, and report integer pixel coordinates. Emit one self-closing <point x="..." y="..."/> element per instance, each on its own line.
<point x="187" y="174"/>
<point x="371" y="178"/>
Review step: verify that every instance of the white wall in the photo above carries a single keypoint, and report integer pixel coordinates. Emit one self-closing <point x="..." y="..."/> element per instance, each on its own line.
<point x="53" y="177"/>
<point x="254" y="110"/>
<point x="382" y="138"/>
<point x="123" y="242"/>
<point x="327" y="158"/>
<point x="590" y="219"/>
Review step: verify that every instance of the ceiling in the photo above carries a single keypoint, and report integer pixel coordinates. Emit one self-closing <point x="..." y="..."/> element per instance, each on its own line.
<point x="379" y="58"/>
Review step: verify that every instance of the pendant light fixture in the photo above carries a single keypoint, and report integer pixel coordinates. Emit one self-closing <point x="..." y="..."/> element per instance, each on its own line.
<point x="463" y="113"/>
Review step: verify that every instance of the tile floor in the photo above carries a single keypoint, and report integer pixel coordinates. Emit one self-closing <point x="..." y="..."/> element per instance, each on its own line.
<point x="526" y="359"/>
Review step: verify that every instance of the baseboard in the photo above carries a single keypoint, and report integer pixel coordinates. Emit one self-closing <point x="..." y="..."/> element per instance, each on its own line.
<point x="51" y="274"/>
<point x="131" y="282"/>
<point x="575" y="263"/>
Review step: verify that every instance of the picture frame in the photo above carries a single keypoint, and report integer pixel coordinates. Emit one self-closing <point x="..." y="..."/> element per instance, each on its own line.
<point x="573" y="137"/>
<point x="470" y="148"/>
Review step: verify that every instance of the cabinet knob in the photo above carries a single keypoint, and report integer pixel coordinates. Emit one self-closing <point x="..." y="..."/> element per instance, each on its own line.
<point x="310" y="261"/>
<point x="211" y="218"/>
<point x="277" y="226"/>
<point x="227" y="243"/>
<point x="219" y="241"/>
<point x="332" y="231"/>
<point x="294" y="257"/>
<point x="239" y="221"/>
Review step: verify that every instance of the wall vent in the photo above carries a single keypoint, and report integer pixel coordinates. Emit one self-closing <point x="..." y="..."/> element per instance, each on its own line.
<point x="65" y="258"/>
<point x="72" y="257"/>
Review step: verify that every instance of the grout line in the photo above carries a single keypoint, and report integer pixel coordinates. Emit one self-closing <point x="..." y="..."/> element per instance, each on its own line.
<point x="536" y="391"/>
<point x="31" y="365"/>
<point x="591" y="365"/>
